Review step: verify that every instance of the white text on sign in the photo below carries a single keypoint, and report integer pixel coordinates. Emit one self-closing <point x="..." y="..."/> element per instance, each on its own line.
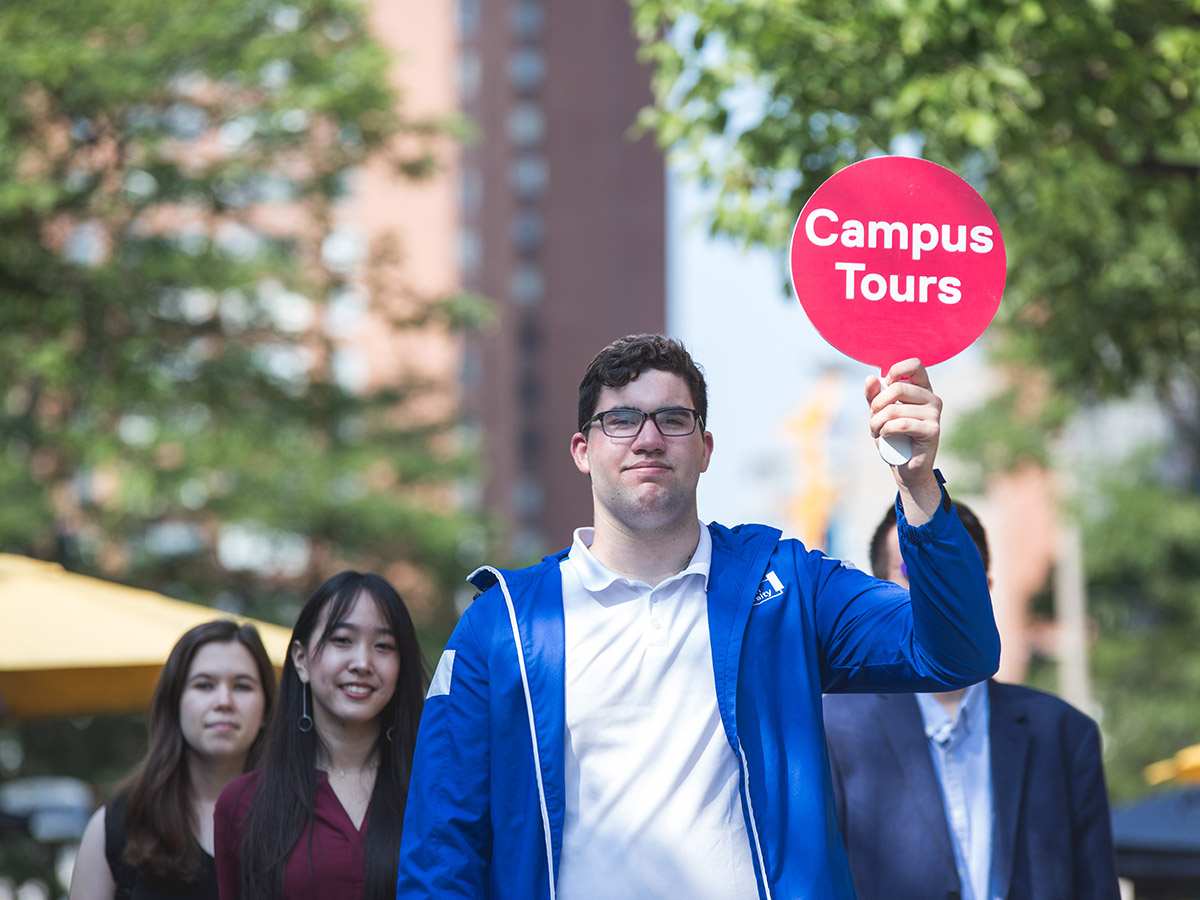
<point x="916" y="238"/>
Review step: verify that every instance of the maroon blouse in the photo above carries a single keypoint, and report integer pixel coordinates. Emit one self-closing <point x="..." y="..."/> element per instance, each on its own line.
<point x="334" y="870"/>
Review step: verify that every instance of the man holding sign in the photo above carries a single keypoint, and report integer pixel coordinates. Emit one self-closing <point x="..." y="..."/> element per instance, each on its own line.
<point x="640" y="715"/>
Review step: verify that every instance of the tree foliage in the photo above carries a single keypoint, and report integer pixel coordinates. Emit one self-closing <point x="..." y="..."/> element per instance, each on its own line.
<point x="1080" y="125"/>
<point x="171" y="277"/>
<point x="174" y="406"/>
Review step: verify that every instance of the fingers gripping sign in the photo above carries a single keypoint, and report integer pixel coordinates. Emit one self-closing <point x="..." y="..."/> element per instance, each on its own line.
<point x="903" y="405"/>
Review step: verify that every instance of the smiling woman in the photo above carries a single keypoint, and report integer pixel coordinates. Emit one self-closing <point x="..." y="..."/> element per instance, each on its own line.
<point x="322" y="817"/>
<point x="154" y="839"/>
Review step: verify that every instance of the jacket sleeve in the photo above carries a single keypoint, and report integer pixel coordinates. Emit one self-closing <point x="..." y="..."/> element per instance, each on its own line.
<point x="938" y="635"/>
<point x="446" y="846"/>
<point x="1091" y="823"/>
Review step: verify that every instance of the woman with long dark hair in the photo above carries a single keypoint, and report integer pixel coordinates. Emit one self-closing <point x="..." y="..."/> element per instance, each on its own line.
<point x="153" y="840"/>
<point x="321" y="818"/>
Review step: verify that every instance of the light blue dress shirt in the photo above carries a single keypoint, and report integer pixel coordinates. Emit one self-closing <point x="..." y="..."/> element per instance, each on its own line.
<point x="962" y="759"/>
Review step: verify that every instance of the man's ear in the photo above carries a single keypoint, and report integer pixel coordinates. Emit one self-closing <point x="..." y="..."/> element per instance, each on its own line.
<point x="708" y="449"/>
<point x="300" y="660"/>
<point x="579" y="453"/>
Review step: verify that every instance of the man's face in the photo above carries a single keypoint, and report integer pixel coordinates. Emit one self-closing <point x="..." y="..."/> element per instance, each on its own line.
<point x="650" y="480"/>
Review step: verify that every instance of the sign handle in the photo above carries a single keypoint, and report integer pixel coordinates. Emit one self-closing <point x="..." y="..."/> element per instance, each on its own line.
<point x="894" y="449"/>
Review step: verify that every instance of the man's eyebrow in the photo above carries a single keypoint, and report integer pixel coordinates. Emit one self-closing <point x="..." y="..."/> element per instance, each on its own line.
<point x="636" y="409"/>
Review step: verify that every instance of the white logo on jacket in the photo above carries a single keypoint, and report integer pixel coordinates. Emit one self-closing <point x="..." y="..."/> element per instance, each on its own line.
<point x="770" y="588"/>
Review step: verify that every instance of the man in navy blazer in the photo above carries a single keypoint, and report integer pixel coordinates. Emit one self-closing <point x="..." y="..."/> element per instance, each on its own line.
<point x="1051" y="835"/>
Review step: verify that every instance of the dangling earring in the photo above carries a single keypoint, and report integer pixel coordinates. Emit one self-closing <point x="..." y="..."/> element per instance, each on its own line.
<point x="305" y="723"/>
<point x="388" y="734"/>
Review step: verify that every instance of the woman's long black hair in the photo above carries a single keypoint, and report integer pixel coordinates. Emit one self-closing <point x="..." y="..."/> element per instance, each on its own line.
<point x="285" y="799"/>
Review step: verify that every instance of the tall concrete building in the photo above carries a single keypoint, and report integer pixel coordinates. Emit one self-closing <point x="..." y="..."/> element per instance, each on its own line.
<point x="562" y="224"/>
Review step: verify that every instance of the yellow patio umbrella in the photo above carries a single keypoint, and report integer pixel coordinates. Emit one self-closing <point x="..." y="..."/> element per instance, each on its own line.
<point x="73" y="645"/>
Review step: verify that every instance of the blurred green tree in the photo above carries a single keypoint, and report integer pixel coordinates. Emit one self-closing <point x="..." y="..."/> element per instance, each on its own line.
<point x="1081" y="128"/>
<point x="171" y="409"/>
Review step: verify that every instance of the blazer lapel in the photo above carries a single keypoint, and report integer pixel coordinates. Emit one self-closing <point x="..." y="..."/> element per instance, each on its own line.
<point x="905" y="732"/>
<point x="1010" y="751"/>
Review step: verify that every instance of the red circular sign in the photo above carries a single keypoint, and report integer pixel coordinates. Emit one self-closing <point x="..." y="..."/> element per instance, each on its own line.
<point x="895" y="257"/>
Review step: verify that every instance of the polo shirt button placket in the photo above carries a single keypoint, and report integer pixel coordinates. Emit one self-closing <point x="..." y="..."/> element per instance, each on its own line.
<point x="655" y="613"/>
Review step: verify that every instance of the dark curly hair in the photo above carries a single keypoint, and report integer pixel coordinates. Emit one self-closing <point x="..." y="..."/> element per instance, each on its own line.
<point x="625" y="359"/>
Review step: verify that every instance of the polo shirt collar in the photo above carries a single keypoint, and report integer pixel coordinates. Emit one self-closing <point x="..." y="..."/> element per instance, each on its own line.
<point x="596" y="577"/>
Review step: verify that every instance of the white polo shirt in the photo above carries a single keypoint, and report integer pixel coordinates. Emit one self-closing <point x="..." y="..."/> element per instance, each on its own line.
<point x="652" y="802"/>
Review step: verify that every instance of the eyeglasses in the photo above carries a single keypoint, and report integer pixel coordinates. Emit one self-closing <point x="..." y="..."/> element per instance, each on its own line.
<point x="674" y="421"/>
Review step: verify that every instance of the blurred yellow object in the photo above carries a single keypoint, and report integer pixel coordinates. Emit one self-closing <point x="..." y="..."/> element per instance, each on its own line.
<point x="1184" y="766"/>
<point x="71" y="645"/>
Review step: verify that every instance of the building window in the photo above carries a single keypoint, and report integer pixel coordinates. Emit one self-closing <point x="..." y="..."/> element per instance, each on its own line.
<point x="185" y="121"/>
<point x="345" y="313"/>
<point x="529" y="391"/>
<point x="527" y="496"/>
<point x="343" y="249"/>
<point x="528" y="231"/>
<point x="528" y="19"/>
<point x="470" y="74"/>
<point x="238" y="242"/>
<point x="470" y="249"/>
<point x="527" y="69"/>
<point x="529" y="175"/>
<point x="350" y="369"/>
<point x="470" y="373"/>
<point x="526" y="124"/>
<point x="470" y="18"/>
<point x="529" y="339"/>
<point x="470" y="191"/>
<point x="269" y="187"/>
<point x="527" y="285"/>
<point x="86" y="245"/>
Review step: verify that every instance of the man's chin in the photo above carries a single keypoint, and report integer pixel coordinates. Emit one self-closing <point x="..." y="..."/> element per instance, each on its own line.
<point x="655" y="510"/>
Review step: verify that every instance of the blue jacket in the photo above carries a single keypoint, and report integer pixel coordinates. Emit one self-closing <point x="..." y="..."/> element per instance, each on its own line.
<point x="486" y="802"/>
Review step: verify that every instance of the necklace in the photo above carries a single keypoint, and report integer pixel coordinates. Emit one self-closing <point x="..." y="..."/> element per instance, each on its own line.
<point x="341" y="773"/>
